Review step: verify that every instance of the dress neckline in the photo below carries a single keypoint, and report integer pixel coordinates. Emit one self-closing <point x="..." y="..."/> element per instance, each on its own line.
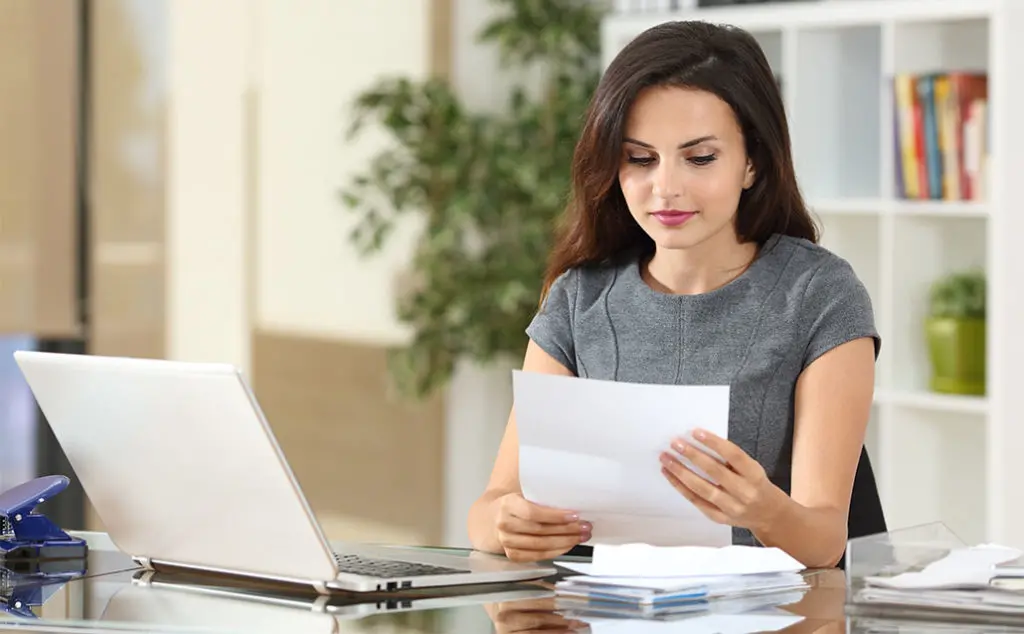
<point x="749" y="276"/>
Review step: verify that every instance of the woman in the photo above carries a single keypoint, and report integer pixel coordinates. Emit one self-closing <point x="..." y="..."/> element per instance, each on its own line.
<point x="689" y="257"/>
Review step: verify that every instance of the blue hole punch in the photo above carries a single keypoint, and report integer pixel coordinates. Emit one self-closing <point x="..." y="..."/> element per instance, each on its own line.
<point x="27" y="536"/>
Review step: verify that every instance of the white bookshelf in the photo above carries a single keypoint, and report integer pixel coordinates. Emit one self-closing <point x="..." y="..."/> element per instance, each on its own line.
<point x="937" y="457"/>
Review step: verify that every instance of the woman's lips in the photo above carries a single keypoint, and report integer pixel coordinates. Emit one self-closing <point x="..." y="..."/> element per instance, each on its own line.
<point x="673" y="217"/>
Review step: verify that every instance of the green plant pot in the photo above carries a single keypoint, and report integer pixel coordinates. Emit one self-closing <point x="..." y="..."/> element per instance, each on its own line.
<point x="956" y="348"/>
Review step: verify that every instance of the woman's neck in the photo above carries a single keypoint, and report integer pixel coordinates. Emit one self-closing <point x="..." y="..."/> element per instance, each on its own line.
<point x="702" y="268"/>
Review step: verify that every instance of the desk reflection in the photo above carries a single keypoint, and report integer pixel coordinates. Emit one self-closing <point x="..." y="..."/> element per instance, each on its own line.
<point x="171" y="602"/>
<point x="818" y="608"/>
<point x="535" y="615"/>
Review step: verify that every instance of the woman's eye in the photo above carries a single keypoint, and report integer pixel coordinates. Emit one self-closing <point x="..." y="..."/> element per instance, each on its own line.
<point x="702" y="160"/>
<point x="640" y="160"/>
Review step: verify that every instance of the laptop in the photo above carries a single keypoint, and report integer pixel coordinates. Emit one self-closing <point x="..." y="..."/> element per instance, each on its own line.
<point x="184" y="471"/>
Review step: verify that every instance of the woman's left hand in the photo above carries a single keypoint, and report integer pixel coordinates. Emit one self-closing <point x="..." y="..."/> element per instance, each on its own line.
<point x="743" y="497"/>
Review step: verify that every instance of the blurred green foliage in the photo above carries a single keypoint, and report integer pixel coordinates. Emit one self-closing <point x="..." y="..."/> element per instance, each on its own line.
<point x="489" y="187"/>
<point x="959" y="295"/>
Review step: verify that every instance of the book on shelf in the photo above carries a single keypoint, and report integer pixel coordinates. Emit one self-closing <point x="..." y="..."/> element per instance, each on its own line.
<point x="941" y="124"/>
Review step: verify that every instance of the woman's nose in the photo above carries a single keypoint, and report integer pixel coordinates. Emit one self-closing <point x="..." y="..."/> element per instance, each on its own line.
<point x="667" y="182"/>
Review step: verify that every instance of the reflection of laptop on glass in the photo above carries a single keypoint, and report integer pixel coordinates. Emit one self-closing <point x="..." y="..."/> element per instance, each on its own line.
<point x="184" y="471"/>
<point x="190" y="602"/>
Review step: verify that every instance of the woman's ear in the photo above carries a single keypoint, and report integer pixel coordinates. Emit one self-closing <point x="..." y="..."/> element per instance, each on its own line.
<point x="750" y="175"/>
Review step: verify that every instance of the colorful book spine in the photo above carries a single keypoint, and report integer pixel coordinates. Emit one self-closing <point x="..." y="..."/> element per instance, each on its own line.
<point x="940" y="135"/>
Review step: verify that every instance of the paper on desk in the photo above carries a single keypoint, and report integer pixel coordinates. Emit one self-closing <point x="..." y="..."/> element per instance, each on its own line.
<point x="593" y="446"/>
<point x="652" y="562"/>
<point x="967" y="568"/>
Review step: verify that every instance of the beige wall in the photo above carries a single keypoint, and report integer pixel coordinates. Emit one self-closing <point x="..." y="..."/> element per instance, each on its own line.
<point x="315" y="56"/>
<point x="207" y="217"/>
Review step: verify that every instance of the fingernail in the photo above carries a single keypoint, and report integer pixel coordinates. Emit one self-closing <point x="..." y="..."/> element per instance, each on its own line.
<point x="571" y="517"/>
<point x="586" y="527"/>
<point x="679" y="446"/>
<point x="699" y="434"/>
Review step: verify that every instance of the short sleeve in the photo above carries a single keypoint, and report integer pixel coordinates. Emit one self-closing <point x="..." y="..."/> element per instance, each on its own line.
<point x="836" y="309"/>
<point x="551" y="328"/>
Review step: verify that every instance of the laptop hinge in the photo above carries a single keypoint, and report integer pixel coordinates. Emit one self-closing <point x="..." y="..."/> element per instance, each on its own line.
<point x="320" y="604"/>
<point x="145" y="562"/>
<point x="321" y="587"/>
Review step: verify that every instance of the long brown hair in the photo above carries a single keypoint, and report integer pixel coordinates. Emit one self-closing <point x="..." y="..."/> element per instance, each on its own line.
<point x="726" y="61"/>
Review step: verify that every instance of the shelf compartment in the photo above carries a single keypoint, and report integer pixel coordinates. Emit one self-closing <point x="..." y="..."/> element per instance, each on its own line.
<point x="933" y="402"/>
<point x="934" y="149"/>
<point x="771" y="43"/>
<point x="939" y="208"/>
<point x="834" y="116"/>
<point x="938" y="46"/>
<point x="925" y="485"/>
<point x="927" y="249"/>
<point x="882" y="206"/>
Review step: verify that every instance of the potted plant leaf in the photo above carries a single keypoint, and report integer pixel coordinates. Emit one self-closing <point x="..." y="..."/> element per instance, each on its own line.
<point x="489" y="187"/>
<point x="955" y="330"/>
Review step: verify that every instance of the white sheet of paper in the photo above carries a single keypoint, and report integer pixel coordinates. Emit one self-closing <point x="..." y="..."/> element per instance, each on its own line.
<point x="673" y="564"/>
<point x="971" y="567"/>
<point x="593" y="446"/>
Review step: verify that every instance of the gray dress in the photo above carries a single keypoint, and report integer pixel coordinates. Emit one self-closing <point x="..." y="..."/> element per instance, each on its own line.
<point x="795" y="302"/>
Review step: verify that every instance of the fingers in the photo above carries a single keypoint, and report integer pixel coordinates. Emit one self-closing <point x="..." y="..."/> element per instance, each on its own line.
<point x="521" y="545"/>
<point x="513" y="524"/>
<point x="531" y="532"/>
<point x="738" y="459"/>
<point x="715" y="495"/>
<point x="711" y="511"/>
<point x="518" y="541"/>
<point x="518" y="506"/>
<point x="720" y="473"/>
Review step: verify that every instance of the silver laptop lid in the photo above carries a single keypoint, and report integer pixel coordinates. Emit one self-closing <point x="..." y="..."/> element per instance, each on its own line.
<point x="180" y="464"/>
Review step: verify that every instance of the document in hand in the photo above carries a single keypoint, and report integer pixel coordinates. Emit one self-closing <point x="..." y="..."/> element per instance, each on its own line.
<point x="593" y="446"/>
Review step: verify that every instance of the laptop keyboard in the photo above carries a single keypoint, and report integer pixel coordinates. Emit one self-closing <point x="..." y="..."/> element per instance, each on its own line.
<point x="389" y="568"/>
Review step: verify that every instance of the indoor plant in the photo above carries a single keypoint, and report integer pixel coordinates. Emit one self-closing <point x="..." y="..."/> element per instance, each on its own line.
<point x="489" y="186"/>
<point x="955" y="330"/>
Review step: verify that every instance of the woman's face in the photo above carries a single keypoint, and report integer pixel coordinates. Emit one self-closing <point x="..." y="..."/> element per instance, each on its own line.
<point x="684" y="165"/>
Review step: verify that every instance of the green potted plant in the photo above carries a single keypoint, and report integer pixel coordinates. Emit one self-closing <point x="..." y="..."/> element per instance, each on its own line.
<point x="955" y="330"/>
<point x="488" y="186"/>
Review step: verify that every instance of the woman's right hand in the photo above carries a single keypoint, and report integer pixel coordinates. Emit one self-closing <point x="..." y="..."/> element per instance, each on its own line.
<point x="531" y="532"/>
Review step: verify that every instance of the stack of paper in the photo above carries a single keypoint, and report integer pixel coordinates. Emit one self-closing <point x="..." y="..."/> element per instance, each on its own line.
<point x="654" y="580"/>
<point x="712" y="623"/>
<point x="976" y="579"/>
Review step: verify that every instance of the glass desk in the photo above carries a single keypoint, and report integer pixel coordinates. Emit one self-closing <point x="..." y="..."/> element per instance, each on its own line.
<point x="117" y="595"/>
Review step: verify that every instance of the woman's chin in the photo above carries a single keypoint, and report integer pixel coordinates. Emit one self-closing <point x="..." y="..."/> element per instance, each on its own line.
<point x="672" y="238"/>
<point x="692" y="233"/>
